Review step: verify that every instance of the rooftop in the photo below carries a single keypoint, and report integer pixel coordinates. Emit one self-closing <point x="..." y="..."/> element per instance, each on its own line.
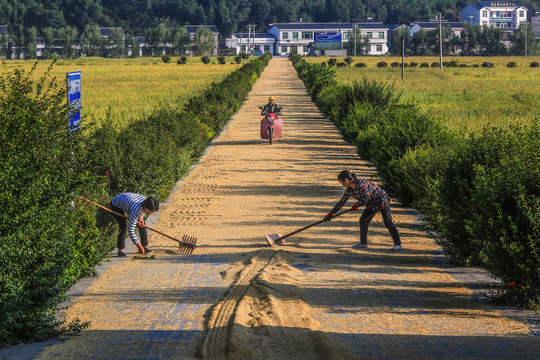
<point x="328" y="26"/>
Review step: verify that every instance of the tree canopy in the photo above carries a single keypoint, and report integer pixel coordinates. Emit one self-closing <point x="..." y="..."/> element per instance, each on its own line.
<point x="136" y="16"/>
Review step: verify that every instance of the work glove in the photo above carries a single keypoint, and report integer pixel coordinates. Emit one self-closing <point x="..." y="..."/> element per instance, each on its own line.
<point x="328" y="216"/>
<point x="354" y="207"/>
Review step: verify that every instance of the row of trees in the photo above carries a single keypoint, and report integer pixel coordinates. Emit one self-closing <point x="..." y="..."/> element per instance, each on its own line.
<point x="68" y="42"/>
<point x="474" y="40"/>
<point x="228" y="15"/>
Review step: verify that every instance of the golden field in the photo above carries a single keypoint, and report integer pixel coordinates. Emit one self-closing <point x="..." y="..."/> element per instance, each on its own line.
<point x="119" y="90"/>
<point x="463" y="98"/>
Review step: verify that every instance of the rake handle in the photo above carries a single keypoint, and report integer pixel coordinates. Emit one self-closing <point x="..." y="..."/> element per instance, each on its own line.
<point x="311" y="225"/>
<point x="125" y="217"/>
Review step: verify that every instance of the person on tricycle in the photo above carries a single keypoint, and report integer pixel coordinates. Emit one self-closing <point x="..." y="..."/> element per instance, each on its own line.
<point x="271" y="107"/>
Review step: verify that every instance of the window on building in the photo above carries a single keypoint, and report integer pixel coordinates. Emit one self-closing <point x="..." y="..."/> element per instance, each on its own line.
<point x="243" y="48"/>
<point x="266" y="48"/>
<point x="370" y="35"/>
<point x="295" y="35"/>
<point x="307" y="35"/>
<point x="381" y="35"/>
<point x="379" y="48"/>
<point x="284" y="49"/>
<point x="285" y="35"/>
<point x="484" y="23"/>
<point x="347" y="35"/>
<point x="484" y="13"/>
<point x="306" y="49"/>
<point x="521" y="13"/>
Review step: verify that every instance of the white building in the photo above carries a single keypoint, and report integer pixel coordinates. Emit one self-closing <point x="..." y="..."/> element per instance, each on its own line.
<point x="257" y="42"/>
<point x="297" y="37"/>
<point x="506" y="15"/>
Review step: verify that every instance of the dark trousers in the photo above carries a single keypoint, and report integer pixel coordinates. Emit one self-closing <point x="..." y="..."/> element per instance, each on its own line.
<point x="122" y="231"/>
<point x="366" y="217"/>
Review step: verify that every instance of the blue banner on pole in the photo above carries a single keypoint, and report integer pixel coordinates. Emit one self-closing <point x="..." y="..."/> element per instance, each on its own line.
<point x="74" y="99"/>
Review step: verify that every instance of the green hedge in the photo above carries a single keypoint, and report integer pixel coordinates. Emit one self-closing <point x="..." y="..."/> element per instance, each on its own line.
<point x="47" y="244"/>
<point x="480" y="194"/>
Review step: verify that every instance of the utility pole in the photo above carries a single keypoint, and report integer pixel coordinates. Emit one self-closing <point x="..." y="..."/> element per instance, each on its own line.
<point x="525" y="37"/>
<point x="440" y="39"/>
<point x="354" y="29"/>
<point x="249" y="38"/>
<point x="403" y="57"/>
<point x="253" y="38"/>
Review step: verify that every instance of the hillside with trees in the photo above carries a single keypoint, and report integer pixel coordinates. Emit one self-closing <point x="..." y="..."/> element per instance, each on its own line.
<point x="135" y="16"/>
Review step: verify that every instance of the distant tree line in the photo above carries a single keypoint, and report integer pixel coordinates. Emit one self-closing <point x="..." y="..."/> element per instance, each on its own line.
<point x="474" y="40"/>
<point x="68" y="42"/>
<point x="135" y="16"/>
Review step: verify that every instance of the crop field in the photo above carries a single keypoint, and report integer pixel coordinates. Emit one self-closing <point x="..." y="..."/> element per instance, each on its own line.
<point x="123" y="89"/>
<point x="464" y="98"/>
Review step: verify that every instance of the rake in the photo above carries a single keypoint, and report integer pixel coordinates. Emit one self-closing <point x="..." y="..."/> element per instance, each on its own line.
<point x="186" y="245"/>
<point x="277" y="239"/>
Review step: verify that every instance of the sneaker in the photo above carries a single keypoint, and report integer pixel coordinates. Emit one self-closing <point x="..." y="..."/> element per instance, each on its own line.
<point x="397" y="248"/>
<point x="147" y="250"/>
<point x="121" y="254"/>
<point x="359" y="246"/>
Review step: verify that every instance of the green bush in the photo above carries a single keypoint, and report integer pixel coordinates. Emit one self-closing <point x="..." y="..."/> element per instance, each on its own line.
<point x="46" y="243"/>
<point x="182" y="60"/>
<point x="511" y="64"/>
<point x="361" y="65"/>
<point x="205" y="59"/>
<point x="348" y="60"/>
<point x="221" y="60"/>
<point x="487" y="64"/>
<point x="382" y="64"/>
<point x="534" y="64"/>
<point x="424" y="65"/>
<point x="166" y="59"/>
<point x="332" y="62"/>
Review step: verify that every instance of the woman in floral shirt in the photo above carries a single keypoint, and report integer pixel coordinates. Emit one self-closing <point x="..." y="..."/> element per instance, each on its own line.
<point x="375" y="199"/>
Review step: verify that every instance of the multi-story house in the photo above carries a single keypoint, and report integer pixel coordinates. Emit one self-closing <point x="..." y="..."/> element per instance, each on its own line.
<point x="192" y="29"/>
<point x="297" y="37"/>
<point x="506" y="15"/>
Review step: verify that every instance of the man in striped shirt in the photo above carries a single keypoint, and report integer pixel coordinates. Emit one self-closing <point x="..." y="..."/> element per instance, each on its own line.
<point x="136" y="206"/>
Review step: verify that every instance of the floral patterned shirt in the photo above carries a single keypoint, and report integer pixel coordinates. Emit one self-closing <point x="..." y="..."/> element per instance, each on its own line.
<point x="367" y="193"/>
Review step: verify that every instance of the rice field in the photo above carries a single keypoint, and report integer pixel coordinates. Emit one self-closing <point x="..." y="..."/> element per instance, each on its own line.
<point x="463" y="98"/>
<point x="119" y="90"/>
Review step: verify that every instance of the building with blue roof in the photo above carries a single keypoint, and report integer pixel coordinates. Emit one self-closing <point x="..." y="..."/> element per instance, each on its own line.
<point x="506" y="15"/>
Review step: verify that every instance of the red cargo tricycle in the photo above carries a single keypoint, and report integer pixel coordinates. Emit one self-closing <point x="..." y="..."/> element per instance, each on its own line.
<point x="271" y="126"/>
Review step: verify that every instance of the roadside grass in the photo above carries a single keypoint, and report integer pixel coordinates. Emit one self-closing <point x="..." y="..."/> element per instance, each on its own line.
<point x="462" y="98"/>
<point x="122" y="90"/>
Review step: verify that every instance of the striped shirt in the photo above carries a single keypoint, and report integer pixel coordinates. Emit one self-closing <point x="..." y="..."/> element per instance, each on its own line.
<point x="131" y="204"/>
<point x="367" y="193"/>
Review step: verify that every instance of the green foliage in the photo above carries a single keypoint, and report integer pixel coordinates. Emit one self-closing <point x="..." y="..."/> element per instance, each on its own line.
<point x="182" y="60"/>
<point x="166" y="59"/>
<point x="479" y="193"/>
<point x="205" y="59"/>
<point x="534" y="64"/>
<point x="332" y="62"/>
<point x="349" y="60"/>
<point x="46" y="243"/>
<point x="221" y="60"/>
